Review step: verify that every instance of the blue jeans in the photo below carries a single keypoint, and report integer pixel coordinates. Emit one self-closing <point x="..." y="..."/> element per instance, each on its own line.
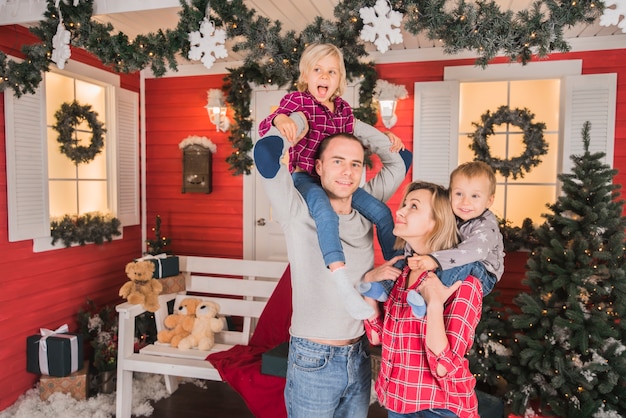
<point x="325" y="381"/>
<point x="476" y="269"/>
<point x="327" y="221"/>
<point x="427" y="413"/>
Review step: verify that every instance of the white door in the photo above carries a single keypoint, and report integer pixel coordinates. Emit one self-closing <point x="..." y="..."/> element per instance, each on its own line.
<point x="269" y="242"/>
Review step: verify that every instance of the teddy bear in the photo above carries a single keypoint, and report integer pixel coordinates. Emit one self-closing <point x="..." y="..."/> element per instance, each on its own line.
<point x="142" y="288"/>
<point x="179" y="324"/>
<point x="205" y="326"/>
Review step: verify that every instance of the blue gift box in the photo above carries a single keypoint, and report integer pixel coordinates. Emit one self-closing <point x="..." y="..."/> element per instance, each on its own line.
<point x="54" y="354"/>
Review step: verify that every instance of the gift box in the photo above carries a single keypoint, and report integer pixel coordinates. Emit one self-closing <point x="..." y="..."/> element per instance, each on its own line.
<point x="274" y="361"/>
<point x="164" y="265"/>
<point x="54" y="353"/>
<point x="173" y="284"/>
<point x="76" y="384"/>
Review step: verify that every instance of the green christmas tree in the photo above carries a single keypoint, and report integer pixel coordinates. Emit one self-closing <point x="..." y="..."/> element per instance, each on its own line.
<point x="569" y="357"/>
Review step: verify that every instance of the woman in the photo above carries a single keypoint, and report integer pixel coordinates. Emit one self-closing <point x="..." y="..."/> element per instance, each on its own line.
<point x="424" y="372"/>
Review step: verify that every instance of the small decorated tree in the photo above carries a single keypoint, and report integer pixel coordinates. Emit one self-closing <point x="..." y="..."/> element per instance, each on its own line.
<point x="570" y="355"/>
<point x="157" y="245"/>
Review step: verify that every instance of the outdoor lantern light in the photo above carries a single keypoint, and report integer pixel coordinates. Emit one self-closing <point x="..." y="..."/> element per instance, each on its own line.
<point x="216" y="108"/>
<point x="387" y="96"/>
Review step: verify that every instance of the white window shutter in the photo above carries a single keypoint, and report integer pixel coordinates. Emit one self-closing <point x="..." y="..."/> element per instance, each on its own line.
<point x="589" y="98"/>
<point x="127" y="108"/>
<point x="436" y="131"/>
<point x="27" y="165"/>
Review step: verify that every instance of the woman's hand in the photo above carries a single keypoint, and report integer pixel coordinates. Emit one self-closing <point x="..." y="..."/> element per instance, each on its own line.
<point x="434" y="292"/>
<point x="384" y="272"/>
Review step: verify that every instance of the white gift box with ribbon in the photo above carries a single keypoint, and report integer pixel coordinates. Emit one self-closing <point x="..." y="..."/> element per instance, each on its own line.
<point x="54" y="352"/>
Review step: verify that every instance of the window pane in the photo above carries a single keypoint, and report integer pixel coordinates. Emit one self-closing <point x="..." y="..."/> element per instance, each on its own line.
<point x="59" y="165"/>
<point x="476" y="99"/>
<point x="92" y="196"/>
<point x="65" y="201"/>
<point x="541" y="97"/>
<point x="59" y="90"/>
<point x="528" y="201"/>
<point x="96" y="169"/>
<point x="544" y="172"/>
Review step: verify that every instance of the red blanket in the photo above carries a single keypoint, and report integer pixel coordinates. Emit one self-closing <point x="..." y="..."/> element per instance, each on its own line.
<point x="240" y="366"/>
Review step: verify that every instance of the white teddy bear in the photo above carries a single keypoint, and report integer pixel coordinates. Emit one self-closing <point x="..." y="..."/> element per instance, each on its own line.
<point x="204" y="328"/>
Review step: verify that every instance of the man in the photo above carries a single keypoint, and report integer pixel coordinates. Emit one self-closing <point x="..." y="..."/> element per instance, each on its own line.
<point x="329" y="372"/>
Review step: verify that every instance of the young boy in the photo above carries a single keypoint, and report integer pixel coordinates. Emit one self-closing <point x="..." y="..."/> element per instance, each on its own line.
<point x="481" y="250"/>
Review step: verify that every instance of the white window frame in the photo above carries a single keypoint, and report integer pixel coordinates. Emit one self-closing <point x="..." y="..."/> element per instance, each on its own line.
<point x="27" y="159"/>
<point x="583" y="97"/>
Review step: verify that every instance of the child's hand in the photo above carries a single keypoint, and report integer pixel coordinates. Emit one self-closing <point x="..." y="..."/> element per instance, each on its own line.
<point x="421" y="262"/>
<point x="396" y="142"/>
<point x="287" y="128"/>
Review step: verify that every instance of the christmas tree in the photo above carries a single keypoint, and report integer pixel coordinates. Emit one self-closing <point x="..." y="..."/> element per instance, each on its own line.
<point x="569" y="357"/>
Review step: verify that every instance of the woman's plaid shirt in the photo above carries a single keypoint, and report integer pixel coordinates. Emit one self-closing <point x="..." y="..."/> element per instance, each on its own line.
<point x="408" y="381"/>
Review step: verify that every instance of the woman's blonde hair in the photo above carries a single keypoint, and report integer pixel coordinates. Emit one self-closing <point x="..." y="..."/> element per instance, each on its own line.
<point x="310" y="57"/>
<point x="444" y="234"/>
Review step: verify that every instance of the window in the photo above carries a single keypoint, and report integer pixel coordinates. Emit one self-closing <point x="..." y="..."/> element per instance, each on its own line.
<point x="75" y="188"/>
<point x="42" y="182"/>
<point x="554" y="91"/>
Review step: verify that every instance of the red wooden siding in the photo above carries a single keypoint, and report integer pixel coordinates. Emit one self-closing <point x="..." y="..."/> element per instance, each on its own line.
<point x="46" y="290"/>
<point x="197" y="223"/>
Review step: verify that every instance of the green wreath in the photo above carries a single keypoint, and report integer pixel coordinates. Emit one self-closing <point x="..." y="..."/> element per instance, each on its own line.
<point x="536" y="145"/>
<point x="68" y="118"/>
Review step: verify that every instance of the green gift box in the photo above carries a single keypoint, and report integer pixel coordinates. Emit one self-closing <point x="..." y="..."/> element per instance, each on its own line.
<point x="53" y="353"/>
<point x="274" y="361"/>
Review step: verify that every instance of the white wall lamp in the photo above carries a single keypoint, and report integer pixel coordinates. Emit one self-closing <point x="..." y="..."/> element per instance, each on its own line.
<point x="387" y="96"/>
<point x="216" y="108"/>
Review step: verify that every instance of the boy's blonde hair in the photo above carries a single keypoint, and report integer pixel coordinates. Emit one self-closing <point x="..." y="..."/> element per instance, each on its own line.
<point x="310" y="57"/>
<point x="444" y="233"/>
<point x="473" y="169"/>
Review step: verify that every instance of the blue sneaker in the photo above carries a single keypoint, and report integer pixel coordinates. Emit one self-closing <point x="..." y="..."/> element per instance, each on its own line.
<point x="374" y="290"/>
<point x="417" y="303"/>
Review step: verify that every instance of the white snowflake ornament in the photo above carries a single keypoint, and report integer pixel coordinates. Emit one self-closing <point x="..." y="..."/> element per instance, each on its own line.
<point x="611" y="16"/>
<point x="207" y="44"/>
<point x="381" y="31"/>
<point x="61" y="46"/>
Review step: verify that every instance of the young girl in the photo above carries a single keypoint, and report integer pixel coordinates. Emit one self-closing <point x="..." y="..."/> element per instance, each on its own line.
<point x="424" y="372"/>
<point x="321" y="83"/>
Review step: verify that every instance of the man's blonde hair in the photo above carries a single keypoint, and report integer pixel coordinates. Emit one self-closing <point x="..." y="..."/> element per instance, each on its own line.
<point x="311" y="56"/>
<point x="444" y="234"/>
<point x="473" y="169"/>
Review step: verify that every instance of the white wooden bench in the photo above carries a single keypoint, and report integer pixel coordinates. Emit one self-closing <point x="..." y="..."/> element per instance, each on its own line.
<point x="241" y="287"/>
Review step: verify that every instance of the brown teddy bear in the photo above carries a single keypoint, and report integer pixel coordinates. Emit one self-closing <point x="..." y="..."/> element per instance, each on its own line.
<point x="142" y="288"/>
<point x="204" y="327"/>
<point x="179" y="324"/>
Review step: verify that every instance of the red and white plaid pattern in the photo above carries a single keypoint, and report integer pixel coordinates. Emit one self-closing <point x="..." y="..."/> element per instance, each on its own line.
<point x="408" y="381"/>
<point x="322" y="123"/>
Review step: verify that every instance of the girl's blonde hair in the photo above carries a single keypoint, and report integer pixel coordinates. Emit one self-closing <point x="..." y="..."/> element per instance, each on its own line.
<point x="444" y="234"/>
<point x="310" y="57"/>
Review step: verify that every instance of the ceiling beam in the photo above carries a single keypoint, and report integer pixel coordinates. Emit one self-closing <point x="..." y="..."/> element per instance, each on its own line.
<point x="20" y="11"/>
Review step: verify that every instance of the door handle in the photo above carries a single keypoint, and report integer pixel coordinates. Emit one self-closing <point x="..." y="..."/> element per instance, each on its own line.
<point x="260" y="222"/>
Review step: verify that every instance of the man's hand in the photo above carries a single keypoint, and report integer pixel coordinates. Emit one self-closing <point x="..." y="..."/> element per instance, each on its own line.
<point x="421" y="262"/>
<point x="396" y="143"/>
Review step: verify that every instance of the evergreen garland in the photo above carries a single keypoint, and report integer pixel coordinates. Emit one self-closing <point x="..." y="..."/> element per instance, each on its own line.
<point x="271" y="58"/>
<point x="536" y="145"/>
<point x="68" y="118"/>
<point x="90" y="227"/>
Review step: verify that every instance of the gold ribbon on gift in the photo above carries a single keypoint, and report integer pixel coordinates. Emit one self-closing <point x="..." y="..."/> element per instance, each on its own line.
<point x="158" y="259"/>
<point x="43" y="347"/>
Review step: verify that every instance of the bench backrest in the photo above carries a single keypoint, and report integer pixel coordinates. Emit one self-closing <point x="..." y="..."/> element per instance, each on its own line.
<point x="220" y="280"/>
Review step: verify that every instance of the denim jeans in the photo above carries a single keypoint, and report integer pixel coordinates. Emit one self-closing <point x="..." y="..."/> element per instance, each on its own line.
<point x="325" y="381"/>
<point x="475" y="269"/>
<point x="427" y="413"/>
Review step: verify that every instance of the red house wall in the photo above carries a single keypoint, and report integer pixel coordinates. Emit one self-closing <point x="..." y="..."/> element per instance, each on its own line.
<point x="46" y="290"/>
